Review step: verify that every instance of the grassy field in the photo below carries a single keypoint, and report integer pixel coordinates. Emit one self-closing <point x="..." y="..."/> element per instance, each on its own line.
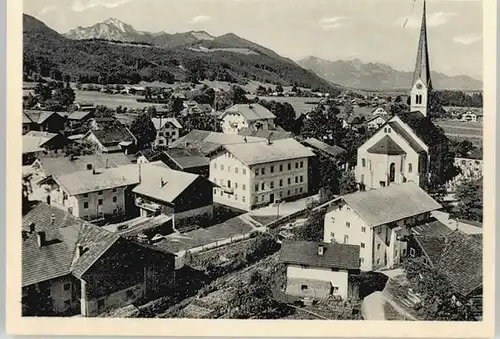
<point x="462" y="129"/>
<point x="298" y="103"/>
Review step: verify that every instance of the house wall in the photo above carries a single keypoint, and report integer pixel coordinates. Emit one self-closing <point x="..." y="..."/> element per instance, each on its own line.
<point x="358" y="232"/>
<point x="99" y="147"/>
<point x="54" y="124"/>
<point x="166" y="135"/>
<point x="379" y="170"/>
<point x="422" y="92"/>
<point x="233" y="122"/>
<point x="338" y="279"/>
<point x="127" y="296"/>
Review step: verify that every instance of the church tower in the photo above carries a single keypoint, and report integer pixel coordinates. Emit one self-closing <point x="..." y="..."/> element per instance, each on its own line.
<point x="421" y="84"/>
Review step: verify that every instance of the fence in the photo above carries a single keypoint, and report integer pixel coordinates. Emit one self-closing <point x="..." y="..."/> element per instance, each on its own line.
<point x="287" y="218"/>
<point x="215" y="244"/>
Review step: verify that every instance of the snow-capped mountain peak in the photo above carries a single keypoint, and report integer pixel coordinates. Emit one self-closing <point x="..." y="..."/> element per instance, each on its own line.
<point x="110" y="29"/>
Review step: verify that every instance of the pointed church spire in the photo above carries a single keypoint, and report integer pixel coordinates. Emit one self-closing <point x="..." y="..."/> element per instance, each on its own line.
<point x="422" y="66"/>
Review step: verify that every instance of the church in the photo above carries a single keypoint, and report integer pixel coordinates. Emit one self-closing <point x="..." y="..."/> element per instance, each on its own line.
<point x="403" y="148"/>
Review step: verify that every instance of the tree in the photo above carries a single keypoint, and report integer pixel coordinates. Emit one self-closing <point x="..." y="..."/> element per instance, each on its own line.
<point x="102" y="111"/>
<point x="278" y="88"/>
<point x="347" y="183"/>
<point x="151" y="111"/>
<point x="175" y="104"/>
<point x="43" y="92"/>
<point x="312" y="229"/>
<point x="462" y="149"/>
<point x="284" y="112"/>
<point x="237" y="95"/>
<point x="398" y="99"/>
<point x="438" y="299"/>
<point x="144" y="130"/>
<point x="470" y="196"/>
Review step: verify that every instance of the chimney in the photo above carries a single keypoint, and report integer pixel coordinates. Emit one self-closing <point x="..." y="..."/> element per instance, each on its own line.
<point x="94" y="171"/>
<point x="107" y="163"/>
<point x="79" y="250"/>
<point x="245" y="139"/>
<point x="321" y="249"/>
<point x="163" y="182"/>
<point x="32" y="228"/>
<point x="52" y="219"/>
<point x="40" y="238"/>
<point x="269" y="142"/>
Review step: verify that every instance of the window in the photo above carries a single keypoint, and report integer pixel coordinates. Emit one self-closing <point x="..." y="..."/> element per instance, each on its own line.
<point x="378" y="246"/>
<point x="236" y="170"/>
<point x="303" y="287"/>
<point x="362" y="178"/>
<point x="222" y="167"/>
<point x="262" y="186"/>
<point x="389" y="130"/>
<point x="243" y="198"/>
<point x="272" y="184"/>
<point x="244" y="171"/>
<point x="404" y="252"/>
<point x="346" y="239"/>
<point x="382" y="183"/>
<point x="244" y="187"/>
<point x="385" y="130"/>
<point x="67" y="286"/>
<point x="335" y="289"/>
<point x="115" y="211"/>
<point x="99" y="202"/>
<point x="272" y="169"/>
<point x="301" y="164"/>
<point x="289" y="181"/>
<point x="281" y="168"/>
<point x="236" y="197"/>
<point x="256" y="187"/>
<point x="114" y="199"/>
<point x="296" y="191"/>
<point x="261" y="198"/>
<point x="256" y="199"/>
<point x="296" y="180"/>
<point x="363" y="229"/>
<point x="114" y="190"/>
<point x="215" y="165"/>
<point x="379" y="230"/>
<point x="281" y="182"/>
<point x="215" y="180"/>
<point x="100" y="304"/>
<point x="256" y="172"/>
<point x="378" y="261"/>
<point x="289" y="166"/>
<point x="215" y="190"/>
<point x="347" y="224"/>
<point x="370" y="164"/>
<point x="221" y="193"/>
<point x="363" y="162"/>
<point x="229" y="183"/>
<point x="70" y="210"/>
<point x="281" y="194"/>
<point x="288" y="193"/>
<point x="361" y="260"/>
<point x="89" y="167"/>
<point x="262" y="171"/>
<point x="412" y="252"/>
<point x="332" y="235"/>
<point x="300" y="189"/>
<point x="86" y="204"/>
<point x="235" y="185"/>
<point x="229" y="168"/>
<point x="410" y="168"/>
<point x="100" y="192"/>
<point x="296" y="165"/>
<point x="362" y="245"/>
<point x="301" y="178"/>
<point x="86" y="195"/>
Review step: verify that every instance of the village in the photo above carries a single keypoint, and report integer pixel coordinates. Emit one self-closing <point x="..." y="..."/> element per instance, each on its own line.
<point x="252" y="201"/>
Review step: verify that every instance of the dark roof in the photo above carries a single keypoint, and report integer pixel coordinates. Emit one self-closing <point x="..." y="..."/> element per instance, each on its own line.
<point x="41" y="213"/>
<point x="423" y="127"/>
<point x="407" y="136"/>
<point x="40" y="116"/>
<point x="66" y="165"/>
<point x="187" y="158"/>
<point x="262" y="133"/>
<point x="462" y="262"/>
<point x="339" y="256"/>
<point x="150" y="154"/>
<point x="113" y="135"/>
<point x="431" y="228"/>
<point x="79" y="115"/>
<point x="386" y="146"/>
<point x="324" y="147"/>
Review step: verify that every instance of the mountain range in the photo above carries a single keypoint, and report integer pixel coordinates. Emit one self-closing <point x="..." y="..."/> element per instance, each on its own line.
<point x="356" y="74"/>
<point x="114" y="52"/>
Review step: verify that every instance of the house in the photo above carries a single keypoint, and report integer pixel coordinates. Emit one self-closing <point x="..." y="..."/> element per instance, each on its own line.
<point x="185" y="197"/>
<point x="375" y="122"/>
<point x="470" y="116"/>
<point x="273" y="134"/>
<point x="334" y="152"/>
<point x="320" y="270"/>
<point x="196" y="108"/>
<point x="470" y="169"/>
<point x="186" y="160"/>
<point x="380" y="111"/>
<point x="254" y="116"/>
<point x="112" y="139"/>
<point x="167" y="130"/>
<point x="253" y="174"/>
<point x="71" y="267"/>
<point x="84" y="106"/>
<point x="103" y="122"/>
<point x="95" y="194"/>
<point x="78" y="119"/>
<point x="459" y="258"/>
<point x="379" y="221"/>
<point x="43" y="121"/>
<point x="354" y="121"/>
<point x="206" y="141"/>
<point x="36" y="144"/>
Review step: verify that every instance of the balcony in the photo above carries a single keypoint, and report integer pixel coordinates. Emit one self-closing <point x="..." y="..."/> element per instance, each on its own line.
<point x="139" y="202"/>
<point x="227" y="190"/>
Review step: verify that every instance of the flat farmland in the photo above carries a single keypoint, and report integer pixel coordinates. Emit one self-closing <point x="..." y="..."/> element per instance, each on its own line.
<point x="300" y="104"/>
<point x="113" y="100"/>
<point x="462" y="129"/>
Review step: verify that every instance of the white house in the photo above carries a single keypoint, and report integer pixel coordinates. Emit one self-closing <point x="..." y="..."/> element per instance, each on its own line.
<point x="319" y="270"/>
<point x="375" y="122"/>
<point x="379" y="221"/>
<point x="253" y="174"/>
<point x="379" y="111"/>
<point x="167" y="130"/>
<point x="470" y="116"/>
<point x="394" y="154"/>
<point x="246" y="115"/>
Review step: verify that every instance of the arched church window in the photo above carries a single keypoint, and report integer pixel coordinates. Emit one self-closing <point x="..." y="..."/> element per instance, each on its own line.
<point x="392" y="172"/>
<point x="410" y="168"/>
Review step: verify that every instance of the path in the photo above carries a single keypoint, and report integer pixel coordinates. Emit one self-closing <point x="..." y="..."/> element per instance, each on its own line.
<point x="452" y="224"/>
<point x="372" y="307"/>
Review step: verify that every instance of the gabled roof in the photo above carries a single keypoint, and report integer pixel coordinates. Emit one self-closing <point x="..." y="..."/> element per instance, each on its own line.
<point x="174" y="183"/>
<point x="407" y="136"/>
<point x="376" y="116"/>
<point x="430" y="236"/>
<point x="57" y="257"/>
<point x="112" y="136"/>
<point x="66" y="165"/>
<point x="423" y="127"/>
<point x="33" y="141"/>
<point x="276" y="134"/>
<point x="263" y="152"/>
<point x="340" y="256"/>
<point x="39" y="116"/>
<point x="187" y="158"/>
<point x="79" y="115"/>
<point x="161" y="122"/>
<point x="250" y="111"/>
<point x="392" y="203"/>
<point x="386" y="146"/>
<point x="320" y="145"/>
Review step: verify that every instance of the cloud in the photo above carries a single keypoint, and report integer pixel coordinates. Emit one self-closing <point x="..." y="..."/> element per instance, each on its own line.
<point x="433" y="20"/>
<point x="200" y="19"/>
<point x="331" y="23"/>
<point x="46" y="10"/>
<point x="467" y="39"/>
<point x="83" y="5"/>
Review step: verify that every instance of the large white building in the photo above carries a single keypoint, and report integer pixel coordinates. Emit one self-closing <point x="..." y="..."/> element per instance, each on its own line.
<point x="253" y="174"/>
<point x="254" y="116"/>
<point x="379" y="221"/>
<point x="167" y="130"/>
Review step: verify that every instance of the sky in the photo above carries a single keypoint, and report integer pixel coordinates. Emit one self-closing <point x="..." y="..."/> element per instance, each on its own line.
<point x="369" y="30"/>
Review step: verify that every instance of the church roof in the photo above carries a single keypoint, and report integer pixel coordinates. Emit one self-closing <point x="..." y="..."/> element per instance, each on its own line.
<point x="424" y="128"/>
<point x="422" y="65"/>
<point x="386" y="146"/>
